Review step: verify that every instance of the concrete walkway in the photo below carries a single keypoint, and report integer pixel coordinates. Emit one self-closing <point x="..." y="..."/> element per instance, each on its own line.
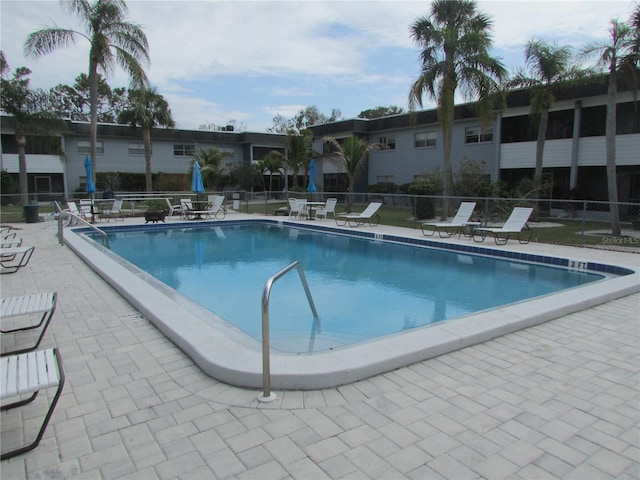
<point x="560" y="400"/>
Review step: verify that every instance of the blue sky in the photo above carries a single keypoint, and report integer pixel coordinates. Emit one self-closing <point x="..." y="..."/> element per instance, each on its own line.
<point x="247" y="61"/>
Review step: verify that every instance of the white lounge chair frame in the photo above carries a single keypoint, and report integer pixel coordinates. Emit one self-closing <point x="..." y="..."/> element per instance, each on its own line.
<point x="14" y="258"/>
<point x="447" y="229"/>
<point x="29" y="373"/>
<point x="213" y="211"/>
<point x="173" y="208"/>
<point x="44" y="303"/>
<point x="369" y="215"/>
<point x="516" y="222"/>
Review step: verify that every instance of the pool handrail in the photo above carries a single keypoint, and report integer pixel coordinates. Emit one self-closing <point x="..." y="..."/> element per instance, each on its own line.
<point x="266" y="395"/>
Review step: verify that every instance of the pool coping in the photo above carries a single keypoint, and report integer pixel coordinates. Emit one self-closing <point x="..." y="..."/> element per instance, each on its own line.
<point x="233" y="357"/>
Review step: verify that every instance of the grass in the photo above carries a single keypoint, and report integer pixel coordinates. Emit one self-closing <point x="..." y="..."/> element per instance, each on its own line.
<point x="568" y="232"/>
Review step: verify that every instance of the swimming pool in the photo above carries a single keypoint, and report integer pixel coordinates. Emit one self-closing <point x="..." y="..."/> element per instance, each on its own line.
<point x="362" y="288"/>
<point x="227" y="353"/>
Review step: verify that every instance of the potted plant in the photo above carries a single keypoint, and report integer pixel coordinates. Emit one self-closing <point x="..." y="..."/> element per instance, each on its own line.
<point x="156" y="210"/>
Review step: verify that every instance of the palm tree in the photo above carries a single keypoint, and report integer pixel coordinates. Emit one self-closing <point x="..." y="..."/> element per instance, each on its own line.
<point x="455" y="44"/>
<point x="147" y="109"/>
<point x="546" y="67"/>
<point x="351" y="155"/>
<point x="113" y="41"/>
<point x="298" y="153"/>
<point x="270" y="163"/>
<point x="210" y="160"/>
<point x="614" y="54"/>
<point x="30" y="114"/>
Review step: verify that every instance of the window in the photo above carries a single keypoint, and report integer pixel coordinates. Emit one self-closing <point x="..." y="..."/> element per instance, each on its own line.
<point x="478" y="135"/>
<point x="385" y="179"/>
<point x="389" y="142"/>
<point x="136" y="148"/>
<point x="84" y="147"/>
<point x="184" y="149"/>
<point x="424" y="139"/>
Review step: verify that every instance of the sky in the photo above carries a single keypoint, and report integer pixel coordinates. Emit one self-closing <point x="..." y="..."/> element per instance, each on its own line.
<point x="217" y="61"/>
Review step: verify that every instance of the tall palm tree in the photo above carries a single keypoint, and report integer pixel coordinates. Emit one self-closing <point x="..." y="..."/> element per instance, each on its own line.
<point x="455" y="42"/>
<point x="351" y="155"/>
<point x="613" y="54"/>
<point x="113" y="41"/>
<point x="29" y="111"/>
<point x="546" y="66"/>
<point x="147" y="109"/>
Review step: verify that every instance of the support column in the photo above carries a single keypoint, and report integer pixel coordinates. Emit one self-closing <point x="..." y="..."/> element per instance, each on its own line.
<point x="575" y="145"/>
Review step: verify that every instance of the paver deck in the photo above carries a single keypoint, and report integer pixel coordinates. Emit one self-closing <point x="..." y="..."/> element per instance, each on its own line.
<point x="559" y="400"/>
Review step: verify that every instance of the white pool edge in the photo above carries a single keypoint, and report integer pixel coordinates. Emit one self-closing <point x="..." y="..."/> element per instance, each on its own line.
<point x="225" y="356"/>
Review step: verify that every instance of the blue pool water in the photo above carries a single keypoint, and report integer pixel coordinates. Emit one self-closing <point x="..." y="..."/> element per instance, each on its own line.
<point x="362" y="288"/>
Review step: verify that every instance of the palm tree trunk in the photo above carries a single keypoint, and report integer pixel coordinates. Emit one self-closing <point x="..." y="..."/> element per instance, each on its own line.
<point x="612" y="183"/>
<point x="542" y="135"/>
<point x="22" y="165"/>
<point x="93" y="127"/>
<point x="447" y="127"/>
<point x="146" y="136"/>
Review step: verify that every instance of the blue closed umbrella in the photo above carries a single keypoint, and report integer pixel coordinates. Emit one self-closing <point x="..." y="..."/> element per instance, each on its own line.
<point x="312" y="173"/>
<point x="90" y="187"/>
<point x="196" y="179"/>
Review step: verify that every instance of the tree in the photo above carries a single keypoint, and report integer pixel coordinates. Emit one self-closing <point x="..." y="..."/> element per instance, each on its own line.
<point x="616" y="54"/>
<point x="351" y="155"/>
<point x="298" y="153"/>
<point x="547" y="66"/>
<point x="305" y="118"/>
<point x="380" y="112"/>
<point x="147" y="109"/>
<point x="74" y="102"/>
<point x="455" y="44"/>
<point x="210" y="160"/>
<point x="113" y="41"/>
<point x="29" y="111"/>
<point x="269" y="164"/>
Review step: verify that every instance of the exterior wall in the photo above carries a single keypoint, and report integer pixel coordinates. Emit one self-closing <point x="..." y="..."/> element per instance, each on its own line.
<point x="36" y="163"/>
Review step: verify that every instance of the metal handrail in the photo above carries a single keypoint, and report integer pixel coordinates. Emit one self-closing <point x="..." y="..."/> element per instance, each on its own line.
<point x="266" y="395"/>
<point x="62" y="214"/>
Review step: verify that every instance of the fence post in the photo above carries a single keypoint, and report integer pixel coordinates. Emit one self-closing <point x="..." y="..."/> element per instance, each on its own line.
<point x="584" y="219"/>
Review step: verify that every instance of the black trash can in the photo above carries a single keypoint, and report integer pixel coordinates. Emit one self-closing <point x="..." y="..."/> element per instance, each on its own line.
<point x="31" y="213"/>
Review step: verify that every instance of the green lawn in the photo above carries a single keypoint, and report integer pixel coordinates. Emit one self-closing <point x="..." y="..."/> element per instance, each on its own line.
<point x="568" y="233"/>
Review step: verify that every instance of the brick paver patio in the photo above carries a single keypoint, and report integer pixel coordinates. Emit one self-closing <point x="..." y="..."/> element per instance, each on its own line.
<point x="559" y="400"/>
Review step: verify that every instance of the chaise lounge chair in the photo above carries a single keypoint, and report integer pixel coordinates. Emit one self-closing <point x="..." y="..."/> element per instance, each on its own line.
<point x="214" y="210"/>
<point x="516" y="222"/>
<point x="447" y="229"/>
<point x="14" y="258"/>
<point x="369" y="215"/>
<point x="29" y="373"/>
<point x="26" y="305"/>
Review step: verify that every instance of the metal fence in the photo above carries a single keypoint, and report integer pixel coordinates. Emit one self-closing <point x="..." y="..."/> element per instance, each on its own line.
<point x="587" y="222"/>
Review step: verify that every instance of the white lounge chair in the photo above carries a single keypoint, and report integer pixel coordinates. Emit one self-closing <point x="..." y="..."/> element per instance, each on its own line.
<point x="14" y="258"/>
<point x="369" y="215"/>
<point x="216" y="208"/>
<point x="173" y="208"/>
<point x="447" y="229"/>
<point x="29" y="373"/>
<point x="186" y="206"/>
<point x="516" y="222"/>
<point x="28" y="305"/>
<point x="329" y="208"/>
<point x="115" y="211"/>
<point x="73" y="208"/>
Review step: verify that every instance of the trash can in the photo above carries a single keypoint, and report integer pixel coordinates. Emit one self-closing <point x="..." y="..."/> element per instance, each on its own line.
<point x="31" y="213"/>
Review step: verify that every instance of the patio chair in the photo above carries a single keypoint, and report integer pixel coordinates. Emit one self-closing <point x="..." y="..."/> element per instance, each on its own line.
<point x="30" y="373"/>
<point x="173" y="208"/>
<point x="369" y="215"/>
<point x="10" y="240"/>
<point x="214" y="209"/>
<point x="298" y="208"/>
<point x="28" y="305"/>
<point x="186" y="206"/>
<point x="115" y="211"/>
<point x="329" y="208"/>
<point x="14" y="258"/>
<point x="516" y="222"/>
<point x="73" y="208"/>
<point x="447" y="229"/>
